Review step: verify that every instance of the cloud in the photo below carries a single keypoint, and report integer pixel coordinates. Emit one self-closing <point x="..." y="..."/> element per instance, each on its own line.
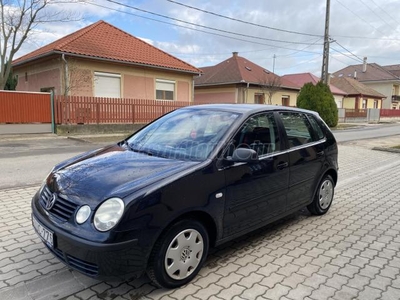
<point x="363" y="27"/>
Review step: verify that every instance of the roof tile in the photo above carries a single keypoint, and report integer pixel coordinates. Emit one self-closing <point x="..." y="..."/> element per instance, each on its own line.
<point x="303" y="78"/>
<point x="354" y="87"/>
<point x="374" y="72"/>
<point x="237" y="69"/>
<point x="103" y="40"/>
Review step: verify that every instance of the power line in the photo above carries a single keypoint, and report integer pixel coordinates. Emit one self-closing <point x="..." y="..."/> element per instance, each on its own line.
<point x="358" y="16"/>
<point x="384" y="11"/>
<point x="365" y="38"/>
<point x="198" y="30"/>
<point x="360" y="59"/>
<point x="373" y="11"/>
<point x="242" y="21"/>
<point x="205" y="27"/>
<point x="344" y="54"/>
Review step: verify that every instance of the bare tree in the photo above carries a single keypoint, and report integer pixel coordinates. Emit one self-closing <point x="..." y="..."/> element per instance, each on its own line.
<point x="270" y="85"/>
<point x="18" y="19"/>
<point x="79" y="79"/>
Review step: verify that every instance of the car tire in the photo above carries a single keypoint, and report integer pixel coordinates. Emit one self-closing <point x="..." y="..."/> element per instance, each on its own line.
<point x="179" y="254"/>
<point x="323" y="196"/>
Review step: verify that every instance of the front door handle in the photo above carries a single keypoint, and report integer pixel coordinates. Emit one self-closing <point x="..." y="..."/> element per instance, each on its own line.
<point x="321" y="153"/>
<point x="282" y="165"/>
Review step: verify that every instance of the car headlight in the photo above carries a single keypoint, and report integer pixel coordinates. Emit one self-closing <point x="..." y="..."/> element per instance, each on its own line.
<point x="108" y="214"/>
<point x="83" y="214"/>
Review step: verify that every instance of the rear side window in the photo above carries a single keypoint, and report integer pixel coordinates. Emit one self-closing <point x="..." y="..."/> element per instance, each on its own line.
<point x="317" y="127"/>
<point x="298" y="128"/>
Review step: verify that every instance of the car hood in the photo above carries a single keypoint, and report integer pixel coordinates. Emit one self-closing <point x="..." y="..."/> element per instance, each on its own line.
<point x="111" y="172"/>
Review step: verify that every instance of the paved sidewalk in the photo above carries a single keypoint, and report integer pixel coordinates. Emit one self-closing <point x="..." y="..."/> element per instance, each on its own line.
<point x="353" y="252"/>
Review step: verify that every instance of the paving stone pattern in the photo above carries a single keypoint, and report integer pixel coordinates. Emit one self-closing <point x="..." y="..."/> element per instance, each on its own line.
<point x="353" y="252"/>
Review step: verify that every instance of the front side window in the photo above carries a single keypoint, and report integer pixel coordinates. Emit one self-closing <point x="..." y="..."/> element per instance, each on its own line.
<point x="165" y="89"/>
<point x="298" y="128"/>
<point x="259" y="133"/>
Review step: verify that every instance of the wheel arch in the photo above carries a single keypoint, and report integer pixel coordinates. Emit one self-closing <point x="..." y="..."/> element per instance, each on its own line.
<point x="204" y="218"/>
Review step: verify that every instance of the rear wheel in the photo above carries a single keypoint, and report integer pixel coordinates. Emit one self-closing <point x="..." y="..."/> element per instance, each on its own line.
<point x="179" y="254"/>
<point x="323" y="197"/>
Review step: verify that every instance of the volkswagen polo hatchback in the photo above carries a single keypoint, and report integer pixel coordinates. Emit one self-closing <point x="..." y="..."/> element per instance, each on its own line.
<point x="194" y="178"/>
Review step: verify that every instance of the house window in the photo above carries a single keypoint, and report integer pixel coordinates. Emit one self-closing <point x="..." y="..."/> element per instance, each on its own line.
<point x="376" y="104"/>
<point x="286" y="100"/>
<point x="26" y="76"/>
<point x="259" y="99"/>
<point x="165" y="89"/>
<point x="107" y="85"/>
<point x="364" y="104"/>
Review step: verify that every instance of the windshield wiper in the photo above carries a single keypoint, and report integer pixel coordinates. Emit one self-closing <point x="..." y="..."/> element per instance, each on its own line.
<point x="142" y="151"/>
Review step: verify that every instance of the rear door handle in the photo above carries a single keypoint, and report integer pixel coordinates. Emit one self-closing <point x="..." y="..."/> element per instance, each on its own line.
<point x="282" y="165"/>
<point x="321" y="153"/>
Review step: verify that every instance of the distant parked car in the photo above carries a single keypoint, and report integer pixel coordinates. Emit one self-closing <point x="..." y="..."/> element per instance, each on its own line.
<point x="194" y="178"/>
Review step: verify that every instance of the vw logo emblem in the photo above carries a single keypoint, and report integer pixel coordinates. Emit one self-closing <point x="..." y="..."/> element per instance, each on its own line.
<point x="50" y="202"/>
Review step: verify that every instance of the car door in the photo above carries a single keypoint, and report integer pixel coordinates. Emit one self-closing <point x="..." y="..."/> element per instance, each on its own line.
<point x="256" y="191"/>
<point x="306" y="157"/>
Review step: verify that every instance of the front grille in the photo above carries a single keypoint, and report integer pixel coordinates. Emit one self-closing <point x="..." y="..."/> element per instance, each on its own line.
<point x="62" y="209"/>
<point x="84" y="267"/>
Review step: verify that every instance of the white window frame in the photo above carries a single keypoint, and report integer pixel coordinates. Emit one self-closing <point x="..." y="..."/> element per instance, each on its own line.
<point x="161" y="81"/>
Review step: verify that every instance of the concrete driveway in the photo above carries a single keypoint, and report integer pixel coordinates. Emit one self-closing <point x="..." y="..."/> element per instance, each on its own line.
<point x="353" y="252"/>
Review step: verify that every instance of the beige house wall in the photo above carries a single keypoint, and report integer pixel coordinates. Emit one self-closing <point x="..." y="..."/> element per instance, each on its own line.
<point x="276" y="97"/>
<point x="136" y="82"/>
<point x="349" y="102"/>
<point x="44" y="74"/>
<point x="215" y="94"/>
<point x="338" y="100"/>
<point x="370" y="103"/>
<point x="385" y="89"/>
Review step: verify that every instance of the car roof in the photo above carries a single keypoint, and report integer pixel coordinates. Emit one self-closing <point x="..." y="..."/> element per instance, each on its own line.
<point x="249" y="108"/>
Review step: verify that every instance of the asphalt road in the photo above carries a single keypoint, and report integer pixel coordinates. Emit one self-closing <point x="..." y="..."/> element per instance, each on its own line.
<point x="367" y="132"/>
<point x="26" y="160"/>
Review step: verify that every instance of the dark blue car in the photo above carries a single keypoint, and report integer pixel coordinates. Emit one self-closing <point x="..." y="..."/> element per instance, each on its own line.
<point x="194" y="178"/>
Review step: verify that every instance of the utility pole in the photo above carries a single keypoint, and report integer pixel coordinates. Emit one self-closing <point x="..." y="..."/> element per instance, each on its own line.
<point x="325" y="56"/>
<point x="273" y="65"/>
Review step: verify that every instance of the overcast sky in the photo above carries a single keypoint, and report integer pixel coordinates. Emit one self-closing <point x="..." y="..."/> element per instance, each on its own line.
<point x="292" y="30"/>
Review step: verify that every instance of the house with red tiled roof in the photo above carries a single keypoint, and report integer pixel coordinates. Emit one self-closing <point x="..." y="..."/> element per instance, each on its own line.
<point x="359" y="95"/>
<point x="238" y="80"/>
<point x="103" y="61"/>
<point x="302" y="78"/>
<point x="383" y="79"/>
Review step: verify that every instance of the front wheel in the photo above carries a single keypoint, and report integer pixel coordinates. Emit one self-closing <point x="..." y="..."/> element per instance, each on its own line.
<point x="178" y="255"/>
<point x="323" y="197"/>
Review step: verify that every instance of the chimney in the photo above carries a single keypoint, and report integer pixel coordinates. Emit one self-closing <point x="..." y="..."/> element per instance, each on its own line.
<point x="235" y="54"/>
<point x="364" y="65"/>
<point x="355" y="74"/>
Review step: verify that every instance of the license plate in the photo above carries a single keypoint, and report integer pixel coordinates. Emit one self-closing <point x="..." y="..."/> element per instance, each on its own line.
<point x="45" y="234"/>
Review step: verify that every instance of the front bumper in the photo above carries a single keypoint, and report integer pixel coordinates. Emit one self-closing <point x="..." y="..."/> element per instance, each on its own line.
<point x="124" y="260"/>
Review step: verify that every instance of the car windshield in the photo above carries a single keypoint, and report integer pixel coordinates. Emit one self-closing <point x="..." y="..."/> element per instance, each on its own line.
<point x="186" y="134"/>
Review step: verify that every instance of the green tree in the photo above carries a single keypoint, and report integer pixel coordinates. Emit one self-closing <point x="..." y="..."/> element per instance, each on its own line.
<point x="11" y="83"/>
<point x="320" y="99"/>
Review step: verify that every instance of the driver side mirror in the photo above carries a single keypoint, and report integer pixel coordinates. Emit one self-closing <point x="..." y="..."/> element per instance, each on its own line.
<point x="244" y="155"/>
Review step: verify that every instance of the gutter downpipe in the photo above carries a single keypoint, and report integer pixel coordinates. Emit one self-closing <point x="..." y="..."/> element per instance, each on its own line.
<point x="66" y="88"/>
<point x="53" y="123"/>
<point x="65" y="74"/>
